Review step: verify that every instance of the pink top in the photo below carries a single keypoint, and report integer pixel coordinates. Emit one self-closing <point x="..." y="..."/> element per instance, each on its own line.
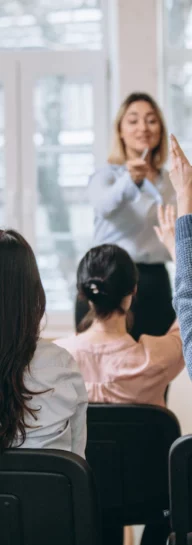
<point x="126" y="371"/>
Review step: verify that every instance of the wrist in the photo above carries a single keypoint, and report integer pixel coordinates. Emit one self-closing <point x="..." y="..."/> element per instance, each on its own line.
<point x="172" y="254"/>
<point x="171" y="250"/>
<point x="184" y="203"/>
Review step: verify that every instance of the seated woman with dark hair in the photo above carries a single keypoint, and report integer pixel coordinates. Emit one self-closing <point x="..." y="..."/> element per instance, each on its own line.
<point x="43" y="399"/>
<point x="115" y="367"/>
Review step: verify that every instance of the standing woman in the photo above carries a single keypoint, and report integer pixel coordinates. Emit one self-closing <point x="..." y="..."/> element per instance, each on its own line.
<point x="124" y="195"/>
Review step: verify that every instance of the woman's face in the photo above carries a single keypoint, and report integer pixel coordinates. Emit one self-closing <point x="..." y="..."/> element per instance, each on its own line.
<point x="140" y="127"/>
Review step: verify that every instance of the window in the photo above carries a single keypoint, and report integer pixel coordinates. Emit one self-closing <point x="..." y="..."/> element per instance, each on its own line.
<point x="64" y="138"/>
<point x="2" y="155"/>
<point x="51" y="24"/>
<point x="56" y="100"/>
<point x="177" y="40"/>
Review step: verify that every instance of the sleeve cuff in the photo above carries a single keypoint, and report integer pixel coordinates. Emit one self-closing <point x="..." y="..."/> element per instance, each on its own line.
<point x="183" y="228"/>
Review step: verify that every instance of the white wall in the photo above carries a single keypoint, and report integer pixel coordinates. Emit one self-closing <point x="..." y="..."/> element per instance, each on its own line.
<point x="137" y="46"/>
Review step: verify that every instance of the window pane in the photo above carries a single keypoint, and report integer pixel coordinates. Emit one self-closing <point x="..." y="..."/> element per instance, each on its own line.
<point x="179" y="100"/>
<point x="178" y="15"/>
<point x="51" y="24"/>
<point x="64" y="139"/>
<point x="2" y="158"/>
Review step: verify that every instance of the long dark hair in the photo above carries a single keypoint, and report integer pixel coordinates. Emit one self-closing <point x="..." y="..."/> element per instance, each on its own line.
<point x="105" y="275"/>
<point x="22" y="305"/>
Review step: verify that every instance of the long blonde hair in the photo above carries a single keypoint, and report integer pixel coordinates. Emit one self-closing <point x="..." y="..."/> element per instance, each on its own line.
<point x="117" y="153"/>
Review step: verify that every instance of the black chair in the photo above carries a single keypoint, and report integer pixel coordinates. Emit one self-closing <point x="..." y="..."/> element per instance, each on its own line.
<point x="47" y="497"/>
<point x="180" y="489"/>
<point x="128" y="448"/>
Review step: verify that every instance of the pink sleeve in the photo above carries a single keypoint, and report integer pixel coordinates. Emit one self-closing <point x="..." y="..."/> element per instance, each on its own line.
<point x="165" y="350"/>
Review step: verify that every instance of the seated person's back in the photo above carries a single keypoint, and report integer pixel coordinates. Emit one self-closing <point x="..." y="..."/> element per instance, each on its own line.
<point x="117" y="369"/>
<point x="43" y="399"/>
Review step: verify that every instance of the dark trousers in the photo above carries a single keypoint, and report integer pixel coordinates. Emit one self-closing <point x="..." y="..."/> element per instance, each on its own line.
<point x="155" y="534"/>
<point x="152" y="308"/>
<point x="112" y="535"/>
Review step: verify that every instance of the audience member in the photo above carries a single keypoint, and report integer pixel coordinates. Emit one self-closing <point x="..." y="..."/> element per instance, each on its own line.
<point x="115" y="367"/>
<point x="43" y="399"/>
<point x="124" y="195"/>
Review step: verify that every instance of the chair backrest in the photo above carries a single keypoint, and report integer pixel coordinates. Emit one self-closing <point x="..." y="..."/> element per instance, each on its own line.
<point x="127" y="448"/>
<point x="180" y="489"/>
<point x="47" y="497"/>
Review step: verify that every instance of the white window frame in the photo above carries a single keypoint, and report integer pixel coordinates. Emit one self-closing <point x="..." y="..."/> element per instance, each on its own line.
<point x="18" y="74"/>
<point x="168" y="55"/>
<point x="73" y="65"/>
<point x="70" y="64"/>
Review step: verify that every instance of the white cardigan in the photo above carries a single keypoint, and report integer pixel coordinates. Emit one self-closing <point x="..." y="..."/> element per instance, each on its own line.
<point x="61" y="403"/>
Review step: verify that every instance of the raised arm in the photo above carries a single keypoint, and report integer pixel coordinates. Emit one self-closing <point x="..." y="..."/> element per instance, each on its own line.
<point x="183" y="285"/>
<point x="108" y="189"/>
<point x="165" y="231"/>
<point x="181" y="178"/>
<point x="165" y="351"/>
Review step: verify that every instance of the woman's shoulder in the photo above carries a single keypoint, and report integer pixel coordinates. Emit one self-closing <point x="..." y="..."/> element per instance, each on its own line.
<point x="74" y="344"/>
<point x="85" y="343"/>
<point x="50" y="355"/>
<point x="54" y="366"/>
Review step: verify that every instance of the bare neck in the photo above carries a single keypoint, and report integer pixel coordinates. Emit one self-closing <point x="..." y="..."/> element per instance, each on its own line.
<point x="109" y="329"/>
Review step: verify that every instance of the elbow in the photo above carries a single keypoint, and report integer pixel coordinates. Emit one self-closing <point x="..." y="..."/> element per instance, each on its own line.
<point x="102" y="211"/>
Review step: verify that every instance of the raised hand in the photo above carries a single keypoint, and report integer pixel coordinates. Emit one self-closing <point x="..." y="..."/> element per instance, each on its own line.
<point x="181" y="178"/>
<point x="181" y="171"/>
<point x="137" y="169"/>
<point x="166" y="229"/>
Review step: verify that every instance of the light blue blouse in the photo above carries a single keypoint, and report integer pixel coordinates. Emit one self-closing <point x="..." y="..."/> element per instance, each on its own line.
<point x="125" y="214"/>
